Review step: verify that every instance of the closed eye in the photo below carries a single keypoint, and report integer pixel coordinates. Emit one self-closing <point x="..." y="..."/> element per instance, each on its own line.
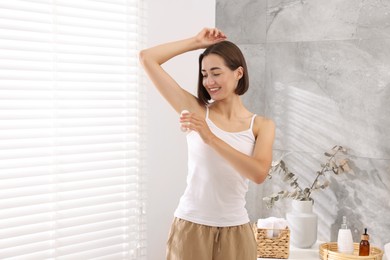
<point x="214" y="75"/>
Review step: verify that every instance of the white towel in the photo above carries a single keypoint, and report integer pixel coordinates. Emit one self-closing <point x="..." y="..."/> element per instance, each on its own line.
<point x="387" y="250"/>
<point x="272" y="224"/>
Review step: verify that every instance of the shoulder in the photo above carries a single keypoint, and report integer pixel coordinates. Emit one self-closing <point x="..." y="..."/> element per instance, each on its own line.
<point x="263" y="126"/>
<point x="261" y="121"/>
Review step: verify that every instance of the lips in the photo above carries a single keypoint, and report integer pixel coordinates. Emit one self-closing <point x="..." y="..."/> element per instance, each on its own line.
<point x="213" y="90"/>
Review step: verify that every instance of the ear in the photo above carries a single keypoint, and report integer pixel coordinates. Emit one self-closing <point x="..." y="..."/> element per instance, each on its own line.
<point x="239" y="73"/>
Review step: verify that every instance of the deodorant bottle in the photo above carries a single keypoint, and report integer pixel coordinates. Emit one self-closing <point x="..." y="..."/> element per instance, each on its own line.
<point x="344" y="239"/>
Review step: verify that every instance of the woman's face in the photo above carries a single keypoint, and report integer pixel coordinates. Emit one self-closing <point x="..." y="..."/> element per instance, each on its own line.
<point x="219" y="80"/>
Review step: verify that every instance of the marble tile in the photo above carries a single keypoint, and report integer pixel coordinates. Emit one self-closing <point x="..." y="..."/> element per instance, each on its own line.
<point x="317" y="20"/>
<point x="254" y="99"/>
<point x="323" y="68"/>
<point x="374" y="20"/>
<point x="326" y="93"/>
<point x="242" y="21"/>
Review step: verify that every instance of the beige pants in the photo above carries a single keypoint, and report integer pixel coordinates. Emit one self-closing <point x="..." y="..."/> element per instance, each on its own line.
<point x="190" y="241"/>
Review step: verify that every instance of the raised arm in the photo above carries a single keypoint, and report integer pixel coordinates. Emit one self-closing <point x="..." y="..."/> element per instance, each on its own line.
<point x="152" y="59"/>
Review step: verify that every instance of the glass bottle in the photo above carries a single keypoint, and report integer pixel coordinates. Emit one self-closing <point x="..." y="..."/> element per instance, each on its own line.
<point x="364" y="246"/>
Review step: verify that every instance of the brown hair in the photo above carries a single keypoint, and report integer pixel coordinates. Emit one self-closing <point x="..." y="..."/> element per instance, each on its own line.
<point x="233" y="59"/>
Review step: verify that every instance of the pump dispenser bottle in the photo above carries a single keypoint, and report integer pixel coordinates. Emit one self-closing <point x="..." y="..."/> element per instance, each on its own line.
<point x="344" y="239"/>
<point x="364" y="246"/>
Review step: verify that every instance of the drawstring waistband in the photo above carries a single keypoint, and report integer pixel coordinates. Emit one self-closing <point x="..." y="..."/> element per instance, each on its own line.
<point x="216" y="240"/>
<point x="209" y="242"/>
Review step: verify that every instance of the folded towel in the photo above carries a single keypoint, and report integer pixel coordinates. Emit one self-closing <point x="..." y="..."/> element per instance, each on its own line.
<point x="272" y="224"/>
<point x="387" y="250"/>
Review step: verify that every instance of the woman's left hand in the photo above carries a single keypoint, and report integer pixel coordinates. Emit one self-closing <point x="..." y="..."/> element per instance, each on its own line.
<point x="194" y="122"/>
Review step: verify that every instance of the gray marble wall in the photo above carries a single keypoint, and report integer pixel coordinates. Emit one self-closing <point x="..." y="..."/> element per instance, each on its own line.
<point x="321" y="70"/>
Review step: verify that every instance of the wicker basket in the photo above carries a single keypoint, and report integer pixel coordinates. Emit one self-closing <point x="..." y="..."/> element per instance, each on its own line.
<point x="328" y="251"/>
<point x="276" y="247"/>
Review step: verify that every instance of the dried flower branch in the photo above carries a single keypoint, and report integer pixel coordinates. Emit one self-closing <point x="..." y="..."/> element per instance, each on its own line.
<point x="332" y="164"/>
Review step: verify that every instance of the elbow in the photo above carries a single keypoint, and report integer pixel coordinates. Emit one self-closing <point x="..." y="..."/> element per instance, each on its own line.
<point x="146" y="58"/>
<point x="260" y="178"/>
<point x="142" y="57"/>
<point x="262" y="174"/>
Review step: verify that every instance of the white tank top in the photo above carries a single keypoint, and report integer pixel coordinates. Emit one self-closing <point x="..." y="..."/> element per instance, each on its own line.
<point x="215" y="192"/>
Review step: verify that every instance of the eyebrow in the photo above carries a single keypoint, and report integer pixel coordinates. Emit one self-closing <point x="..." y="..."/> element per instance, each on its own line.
<point x="213" y="68"/>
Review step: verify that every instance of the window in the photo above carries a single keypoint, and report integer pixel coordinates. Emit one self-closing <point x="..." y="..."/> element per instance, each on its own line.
<point x="72" y="149"/>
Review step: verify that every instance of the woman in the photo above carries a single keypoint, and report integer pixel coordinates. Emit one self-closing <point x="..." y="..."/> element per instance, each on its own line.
<point x="227" y="146"/>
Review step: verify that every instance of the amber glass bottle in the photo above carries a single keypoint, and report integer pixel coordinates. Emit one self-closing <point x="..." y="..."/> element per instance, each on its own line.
<point x="364" y="247"/>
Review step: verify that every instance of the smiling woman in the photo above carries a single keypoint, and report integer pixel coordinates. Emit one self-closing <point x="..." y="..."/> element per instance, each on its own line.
<point x="227" y="146"/>
<point x="71" y="178"/>
<point x="219" y="65"/>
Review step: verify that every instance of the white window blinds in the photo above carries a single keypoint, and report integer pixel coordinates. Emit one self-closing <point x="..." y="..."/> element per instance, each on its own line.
<point x="71" y="123"/>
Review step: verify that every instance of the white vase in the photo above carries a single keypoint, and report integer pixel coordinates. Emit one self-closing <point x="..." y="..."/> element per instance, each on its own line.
<point x="303" y="224"/>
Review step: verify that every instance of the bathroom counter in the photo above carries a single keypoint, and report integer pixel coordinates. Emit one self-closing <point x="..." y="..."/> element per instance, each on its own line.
<point x="301" y="254"/>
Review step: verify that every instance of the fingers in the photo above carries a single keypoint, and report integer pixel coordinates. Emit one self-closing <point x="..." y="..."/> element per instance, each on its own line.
<point x="194" y="122"/>
<point x="209" y="36"/>
<point x="214" y="33"/>
<point x="184" y="121"/>
<point x="185" y="118"/>
<point x="188" y="117"/>
<point x="218" y="33"/>
<point x="189" y="121"/>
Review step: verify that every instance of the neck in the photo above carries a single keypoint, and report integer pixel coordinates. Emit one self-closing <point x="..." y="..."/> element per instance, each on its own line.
<point x="231" y="108"/>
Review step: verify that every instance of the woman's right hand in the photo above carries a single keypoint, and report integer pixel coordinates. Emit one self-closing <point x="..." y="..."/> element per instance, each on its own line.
<point x="209" y="36"/>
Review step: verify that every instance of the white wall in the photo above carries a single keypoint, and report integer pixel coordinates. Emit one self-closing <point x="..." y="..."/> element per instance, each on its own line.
<point x="167" y="155"/>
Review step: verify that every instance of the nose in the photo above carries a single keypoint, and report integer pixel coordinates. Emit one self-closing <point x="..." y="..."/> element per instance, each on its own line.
<point x="209" y="81"/>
